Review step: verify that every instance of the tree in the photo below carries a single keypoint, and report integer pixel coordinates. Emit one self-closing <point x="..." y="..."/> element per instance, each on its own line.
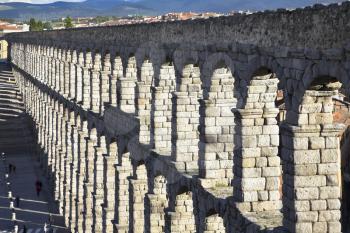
<point x="35" y="25"/>
<point x="47" y="25"/>
<point x="68" y="22"/>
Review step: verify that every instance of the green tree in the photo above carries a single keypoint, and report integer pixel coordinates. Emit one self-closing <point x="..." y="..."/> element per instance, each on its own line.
<point x="48" y="26"/>
<point x="68" y="22"/>
<point x="35" y="25"/>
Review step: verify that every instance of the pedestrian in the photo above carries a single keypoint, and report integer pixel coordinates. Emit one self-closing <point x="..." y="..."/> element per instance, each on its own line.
<point x="38" y="186"/>
<point x="17" y="201"/>
<point x="10" y="168"/>
<point x="50" y="220"/>
<point x="24" y="229"/>
<point x="14" y="169"/>
<point x="45" y="227"/>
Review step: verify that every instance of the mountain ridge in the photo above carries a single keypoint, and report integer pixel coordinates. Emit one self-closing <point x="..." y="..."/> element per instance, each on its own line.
<point x="91" y="8"/>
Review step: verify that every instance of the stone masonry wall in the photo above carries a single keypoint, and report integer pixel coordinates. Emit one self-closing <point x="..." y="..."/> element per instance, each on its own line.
<point x="173" y="127"/>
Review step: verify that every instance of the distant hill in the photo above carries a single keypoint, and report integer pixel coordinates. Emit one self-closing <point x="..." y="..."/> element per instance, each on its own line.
<point x="24" y="11"/>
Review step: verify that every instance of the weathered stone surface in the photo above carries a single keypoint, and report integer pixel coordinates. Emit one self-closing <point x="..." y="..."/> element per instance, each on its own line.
<point x="173" y="120"/>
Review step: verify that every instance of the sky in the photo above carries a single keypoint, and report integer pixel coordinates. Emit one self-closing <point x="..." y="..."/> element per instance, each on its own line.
<point x="37" y="1"/>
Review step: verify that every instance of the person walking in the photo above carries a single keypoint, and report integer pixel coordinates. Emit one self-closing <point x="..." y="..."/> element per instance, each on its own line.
<point x="45" y="228"/>
<point x="50" y="220"/>
<point x="38" y="186"/>
<point x="24" y="230"/>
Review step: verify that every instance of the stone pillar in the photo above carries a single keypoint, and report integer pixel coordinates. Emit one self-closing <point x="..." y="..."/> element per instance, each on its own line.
<point x="144" y="105"/>
<point x="216" y="147"/>
<point x="68" y="157"/>
<point x="144" y="101"/>
<point x="123" y="171"/>
<point x="53" y="69"/>
<point x="214" y="224"/>
<point x="182" y="219"/>
<point x="67" y="76"/>
<point x="105" y="82"/>
<point x="73" y="76"/>
<point x="311" y="166"/>
<point x="117" y="72"/>
<point x="156" y="203"/>
<point x="87" y="80"/>
<point x="61" y="74"/>
<point x="79" y="78"/>
<point x="98" y="194"/>
<point x="109" y="187"/>
<point x="257" y="165"/>
<point x="89" y="182"/>
<point x="74" y="178"/>
<point x="95" y="98"/>
<point x="126" y="87"/>
<point x="138" y="190"/>
<point x="81" y="174"/>
<point x="186" y="134"/>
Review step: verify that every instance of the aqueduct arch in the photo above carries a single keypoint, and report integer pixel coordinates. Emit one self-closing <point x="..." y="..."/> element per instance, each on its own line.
<point x="122" y="115"/>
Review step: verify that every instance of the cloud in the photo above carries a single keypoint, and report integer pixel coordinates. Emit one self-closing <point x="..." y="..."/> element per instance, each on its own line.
<point x="38" y="1"/>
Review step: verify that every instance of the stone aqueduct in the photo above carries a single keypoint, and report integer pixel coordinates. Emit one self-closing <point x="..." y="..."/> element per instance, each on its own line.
<point x="173" y="127"/>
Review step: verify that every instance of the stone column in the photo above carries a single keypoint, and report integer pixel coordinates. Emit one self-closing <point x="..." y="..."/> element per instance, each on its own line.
<point x="79" y="78"/>
<point x="81" y="174"/>
<point x="182" y="219"/>
<point x="105" y="79"/>
<point x="98" y="194"/>
<point x="53" y="69"/>
<point x="311" y="166"/>
<point x="61" y="74"/>
<point x="126" y="87"/>
<point x="214" y="224"/>
<point x="87" y="80"/>
<point x="74" y="177"/>
<point x="95" y="97"/>
<point x="89" y="181"/>
<point x="73" y="76"/>
<point x="109" y="162"/>
<point x="123" y="171"/>
<point x="186" y="134"/>
<point x="156" y="203"/>
<point x="67" y="76"/>
<point x="216" y="147"/>
<point x="144" y="105"/>
<point x="257" y="165"/>
<point x="138" y="190"/>
<point x="117" y="72"/>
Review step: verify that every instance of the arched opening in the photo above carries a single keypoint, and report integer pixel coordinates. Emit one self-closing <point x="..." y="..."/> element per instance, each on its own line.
<point x="217" y="126"/>
<point x="186" y="123"/>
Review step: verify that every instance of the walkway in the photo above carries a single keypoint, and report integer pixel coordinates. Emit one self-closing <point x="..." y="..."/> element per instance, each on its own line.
<point x="16" y="142"/>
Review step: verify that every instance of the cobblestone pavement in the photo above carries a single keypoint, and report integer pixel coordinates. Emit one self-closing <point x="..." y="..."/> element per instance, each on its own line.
<point x="33" y="211"/>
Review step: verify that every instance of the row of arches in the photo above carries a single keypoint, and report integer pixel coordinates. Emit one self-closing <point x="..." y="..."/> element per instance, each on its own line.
<point x="98" y="185"/>
<point x="182" y="113"/>
<point x="191" y="121"/>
